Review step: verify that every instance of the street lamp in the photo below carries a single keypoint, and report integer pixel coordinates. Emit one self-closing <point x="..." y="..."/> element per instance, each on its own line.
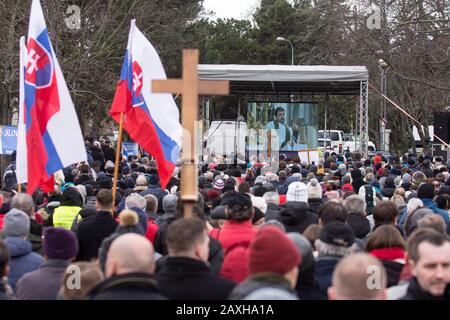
<point x="292" y="48"/>
<point x="383" y="66"/>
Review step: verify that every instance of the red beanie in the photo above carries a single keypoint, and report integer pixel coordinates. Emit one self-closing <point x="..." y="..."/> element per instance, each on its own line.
<point x="212" y="194"/>
<point x="272" y="251"/>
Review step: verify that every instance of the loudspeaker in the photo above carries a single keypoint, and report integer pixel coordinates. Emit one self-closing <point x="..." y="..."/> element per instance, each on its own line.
<point x="439" y="150"/>
<point x="441" y="126"/>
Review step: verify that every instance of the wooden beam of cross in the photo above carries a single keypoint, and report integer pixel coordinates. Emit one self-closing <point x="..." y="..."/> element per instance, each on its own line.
<point x="190" y="88"/>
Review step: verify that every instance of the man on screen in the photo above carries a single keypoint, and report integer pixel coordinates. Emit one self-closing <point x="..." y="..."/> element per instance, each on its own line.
<point x="283" y="131"/>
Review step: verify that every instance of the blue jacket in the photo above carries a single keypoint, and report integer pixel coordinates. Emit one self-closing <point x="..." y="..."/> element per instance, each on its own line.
<point x="23" y="259"/>
<point x="430" y="204"/>
<point x="324" y="272"/>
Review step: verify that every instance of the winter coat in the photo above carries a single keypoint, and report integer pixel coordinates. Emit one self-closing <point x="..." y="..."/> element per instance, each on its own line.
<point x="22" y="259"/>
<point x="307" y="287"/>
<point x="393" y="260"/>
<point x="357" y="179"/>
<point x="44" y="283"/>
<point x="110" y="153"/>
<point x="297" y="216"/>
<point x="430" y="204"/>
<point x="314" y="204"/>
<point x="234" y="232"/>
<point x="129" y="286"/>
<point x="415" y="292"/>
<point x="106" y="243"/>
<point x="262" y="281"/>
<point x="324" y="272"/>
<point x="189" y="279"/>
<point x="272" y="212"/>
<point x="90" y="234"/>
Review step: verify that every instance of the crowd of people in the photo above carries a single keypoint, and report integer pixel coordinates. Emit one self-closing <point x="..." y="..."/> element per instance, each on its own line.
<point x="344" y="228"/>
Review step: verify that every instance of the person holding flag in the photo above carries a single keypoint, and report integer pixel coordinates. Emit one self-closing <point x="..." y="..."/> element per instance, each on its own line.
<point x="49" y="136"/>
<point x="151" y="119"/>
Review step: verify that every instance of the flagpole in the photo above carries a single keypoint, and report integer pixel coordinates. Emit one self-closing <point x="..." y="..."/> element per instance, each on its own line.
<point x="116" y="165"/>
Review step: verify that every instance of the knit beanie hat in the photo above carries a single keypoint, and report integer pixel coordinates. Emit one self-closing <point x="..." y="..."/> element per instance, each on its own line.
<point x="260" y="203"/>
<point x="337" y="233"/>
<point x="60" y="243"/>
<point x="219" y="184"/>
<point x="297" y="192"/>
<point x="272" y="251"/>
<point x="426" y="191"/>
<point x="16" y="223"/>
<point x="313" y="189"/>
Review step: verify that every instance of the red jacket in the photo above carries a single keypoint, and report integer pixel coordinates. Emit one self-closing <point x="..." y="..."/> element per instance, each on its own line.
<point x="235" y="265"/>
<point x="2" y="216"/>
<point x="152" y="227"/>
<point x="234" y="232"/>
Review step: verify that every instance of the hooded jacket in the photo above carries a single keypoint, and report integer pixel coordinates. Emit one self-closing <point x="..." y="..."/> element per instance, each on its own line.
<point x="296" y="217"/>
<point x="357" y="179"/>
<point x="22" y="259"/>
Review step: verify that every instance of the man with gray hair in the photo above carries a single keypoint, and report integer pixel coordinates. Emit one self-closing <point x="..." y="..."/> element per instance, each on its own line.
<point x="137" y="203"/>
<point x="358" y="277"/>
<point x="135" y="200"/>
<point x="356" y="218"/>
<point x="24" y="202"/>
<point x="273" y="206"/>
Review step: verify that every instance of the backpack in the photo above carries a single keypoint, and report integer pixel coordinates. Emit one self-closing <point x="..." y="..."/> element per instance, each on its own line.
<point x="369" y="198"/>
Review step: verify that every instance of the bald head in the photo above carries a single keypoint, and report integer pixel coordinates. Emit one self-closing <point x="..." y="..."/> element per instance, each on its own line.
<point x="358" y="277"/>
<point x="128" y="253"/>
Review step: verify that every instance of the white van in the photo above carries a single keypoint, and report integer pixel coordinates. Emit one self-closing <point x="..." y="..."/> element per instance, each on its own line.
<point x="336" y="137"/>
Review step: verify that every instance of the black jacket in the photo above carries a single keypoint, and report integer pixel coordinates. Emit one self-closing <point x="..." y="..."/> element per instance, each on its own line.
<point x="130" y="286"/>
<point x="91" y="232"/>
<point x="216" y="252"/>
<point x="393" y="270"/>
<point x="307" y="288"/>
<point x="189" y="279"/>
<point x="324" y="272"/>
<point x="110" y="153"/>
<point x="314" y="204"/>
<point x="415" y="292"/>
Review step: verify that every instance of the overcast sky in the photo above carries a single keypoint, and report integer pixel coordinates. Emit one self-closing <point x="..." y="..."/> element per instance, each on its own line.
<point x="237" y="9"/>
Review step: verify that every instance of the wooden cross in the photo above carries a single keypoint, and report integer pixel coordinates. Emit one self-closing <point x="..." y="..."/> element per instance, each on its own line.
<point x="190" y="87"/>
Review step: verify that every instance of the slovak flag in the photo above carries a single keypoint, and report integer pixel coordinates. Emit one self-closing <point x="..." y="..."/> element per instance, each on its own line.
<point x="151" y="119"/>
<point x="53" y="138"/>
